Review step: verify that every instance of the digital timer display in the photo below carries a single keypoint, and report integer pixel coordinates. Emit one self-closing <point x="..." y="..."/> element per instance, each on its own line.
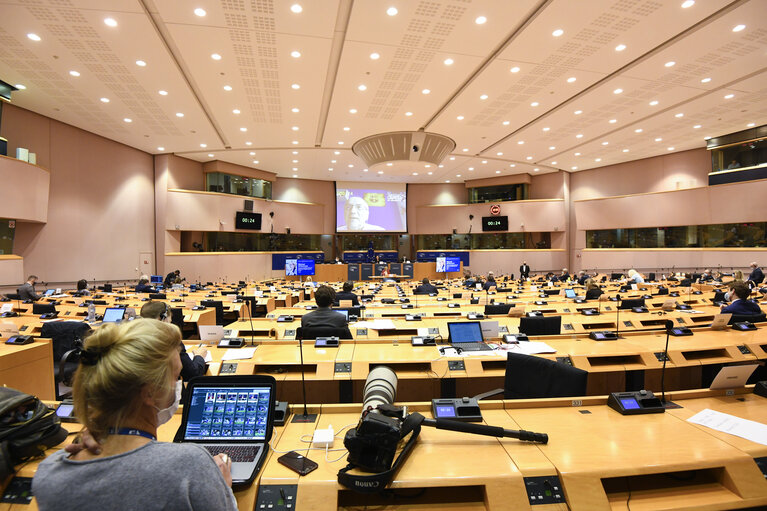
<point x="248" y="220"/>
<point x="495" y="223"/>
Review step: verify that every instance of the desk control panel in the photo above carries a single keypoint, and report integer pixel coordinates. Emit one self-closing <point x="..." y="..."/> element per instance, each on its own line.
<point x="544" y="490"/>
<point x="228" y="368"/>
<point x="18" y="491"/>
<point x="276" y="497"/>
<point x="456" y="365"/>
<point x="343" y="367"/>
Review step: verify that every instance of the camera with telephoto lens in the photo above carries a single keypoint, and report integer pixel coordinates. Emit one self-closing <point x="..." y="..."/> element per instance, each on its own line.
<point x="373" y="443"/>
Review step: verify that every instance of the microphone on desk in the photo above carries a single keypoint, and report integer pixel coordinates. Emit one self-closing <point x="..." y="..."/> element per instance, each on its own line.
<point x="304" y="417"/>
<point x="618" y="316"/>
<point x="669" y="326"/>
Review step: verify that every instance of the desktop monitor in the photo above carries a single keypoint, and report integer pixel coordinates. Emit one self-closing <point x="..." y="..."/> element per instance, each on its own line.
<point x="448" y="264"/>
<point x="616" y="276"/>
<point x="299" y="267"/>
<point x="156" y="279"/>
<point x="464" y="331"/>
<point x="540" y="325"/>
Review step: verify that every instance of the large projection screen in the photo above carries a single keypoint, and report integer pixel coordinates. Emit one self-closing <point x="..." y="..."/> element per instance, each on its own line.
<point x="371" y="207"/>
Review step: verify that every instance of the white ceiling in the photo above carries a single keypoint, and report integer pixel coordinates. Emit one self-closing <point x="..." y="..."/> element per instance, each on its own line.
<point x="500" y="134"/>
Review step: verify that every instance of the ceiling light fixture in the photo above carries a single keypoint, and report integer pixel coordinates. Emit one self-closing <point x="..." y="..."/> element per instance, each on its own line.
<point x="551" y="147"/>
<point x="688" y="3"/>
<point x="480" y="20"/>
<point x="460" y="117"/>
<point x="425" y="91"/>
<point x="680" y="114"/>
<point x="203" y="145"/>
<point x="625" y="150"/>
<point x="697" y="126"/>
<point x="352" y="110"/>
<point x="392" y="11"/>
<point x="738" y="28"/>
<point x="506" y="123"/>
<point x="670" y="148"/>
<point x="33" y="37"/>
<point x="362" y="87"/>
<point x="483" y="97"/>
<point x="215" y="56"/>
<point x="408" y="114"/>
<point x="128" y="119"/>
<point x="558" y="32"/>
<point x="534" y="104"/>
<point x="578" y="112"/>
<point x="162" y="92"/>
<point x="375" y="56"/>
<point x="546" y="128"/>
<point x="514" y="69"/>
<point x="638" y="130"/>
<point x="161" y="148"/>
<point x="140" y="63"/>
<point x="295" y="54"/>
<point x="620" y="47"/>
<point x="110" y="22"/>
<point x="200" y="12"/>
<point x="705" y="80"/>
<point x="74" y="73"/>
<point x="579" y="135"/>
<point x="179" y="114"/>
<point x="22" y="87"/>
<point x="670" y="63"/>
<point x="659" y="139"/>
<point x="295" y="86"/>
<point x="613" y="121"/>
<point x="243" y="129"/>
<point x="617" y="91"/>
<point x="571" y="79"/>
<point x="296" y="8"/>
<point x="227" y="88"/>
<point x="729" y="96"/>
<point x="236" y="111"/>
<point x="103" y="100"/>
<point x="654" y="102"/>
<point x="448" y="62"/>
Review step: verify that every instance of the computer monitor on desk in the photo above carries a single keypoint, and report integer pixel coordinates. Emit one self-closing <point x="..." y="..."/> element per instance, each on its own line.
<point x="540" y="325"/>
<point x="156" y="279"/>
<point x="631" y="303"/>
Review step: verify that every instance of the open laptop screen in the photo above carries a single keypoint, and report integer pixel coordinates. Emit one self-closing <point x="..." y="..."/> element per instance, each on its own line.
<point x="569" y="293"/>
<point x="343" y="312"/>
<point x="466" y="331"/>
<point x="237" y="413"/>
<point x="113" y="315"/>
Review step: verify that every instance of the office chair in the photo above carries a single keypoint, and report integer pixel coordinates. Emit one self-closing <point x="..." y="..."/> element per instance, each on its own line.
<point x="157" y="296"/>
<point x="751" y="318"/>
<point x="499" y="308"/>
<point x="43" y="308"/>
<point x="540" y="325"/>
<point x="219" y="306"/>
<point x="65" y="337"/>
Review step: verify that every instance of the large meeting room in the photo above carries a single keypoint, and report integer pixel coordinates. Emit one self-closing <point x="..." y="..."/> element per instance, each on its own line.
<point x="416" y="255"/>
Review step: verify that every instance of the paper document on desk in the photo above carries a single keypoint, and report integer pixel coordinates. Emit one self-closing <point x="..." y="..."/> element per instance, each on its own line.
<point x="238" y="354"/>
<point x="691" y="311"/>
<point x="377" y="324"/>
<point x="726" y="423"/>
<point x="208" y="357"/>
<point x="529" y="347"/>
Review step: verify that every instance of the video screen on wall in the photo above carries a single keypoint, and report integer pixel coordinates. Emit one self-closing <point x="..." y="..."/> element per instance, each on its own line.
<point x="446" y="264"/>
<point x="371" y="207"/>
<point x="299" y="267"/>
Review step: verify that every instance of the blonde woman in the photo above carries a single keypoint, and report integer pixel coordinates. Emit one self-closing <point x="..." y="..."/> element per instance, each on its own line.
<point x="635" y="277"/>
<point x="127" y="385"/>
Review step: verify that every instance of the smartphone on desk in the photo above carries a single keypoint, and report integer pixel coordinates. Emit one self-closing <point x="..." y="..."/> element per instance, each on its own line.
<point x="297" y="463"/>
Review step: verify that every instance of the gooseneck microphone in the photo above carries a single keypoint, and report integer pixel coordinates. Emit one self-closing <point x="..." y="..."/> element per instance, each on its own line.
<point x="669" y="326"/>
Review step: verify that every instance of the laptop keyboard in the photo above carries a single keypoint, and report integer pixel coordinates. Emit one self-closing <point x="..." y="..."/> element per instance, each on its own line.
<point x="471" y="346"/>
<point x="238" y="453"/>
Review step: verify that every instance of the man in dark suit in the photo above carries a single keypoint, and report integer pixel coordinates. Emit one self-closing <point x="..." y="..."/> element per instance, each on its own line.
<point x="347" y="294"/>
<point x="425" y="288"/>
<point x="144" y="287"/>
<point x="742" y="306"/>
<point x="324" y="316"/>
<point x="172" y="278"/>
<point x="756" y="276"/>
<point x="524" y="270"/>
<point x="27" y="290"/>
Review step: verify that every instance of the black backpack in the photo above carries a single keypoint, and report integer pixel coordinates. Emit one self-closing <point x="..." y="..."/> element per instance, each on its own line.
<point x="27" y="428"/>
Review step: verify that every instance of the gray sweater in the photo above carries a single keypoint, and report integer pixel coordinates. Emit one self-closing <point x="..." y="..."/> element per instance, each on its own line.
<point x="155" y="476"/>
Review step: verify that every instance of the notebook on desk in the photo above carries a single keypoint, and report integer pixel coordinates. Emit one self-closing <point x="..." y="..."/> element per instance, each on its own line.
<point x="467" y="335"/>
<point x="234" y="415"/>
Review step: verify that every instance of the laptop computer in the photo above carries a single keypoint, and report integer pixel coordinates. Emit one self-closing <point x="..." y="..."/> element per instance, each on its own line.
<point x="113" y="315"/>
<point x="211" y="333"/>
<point x="231" y="414"/>
<point x="467" y="335"/>
<point x="569" y="293"/>
<point x="49" y="292"/>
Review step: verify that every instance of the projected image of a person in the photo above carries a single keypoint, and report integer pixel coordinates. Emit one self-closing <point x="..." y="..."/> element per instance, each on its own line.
<point x="356" y="213"/>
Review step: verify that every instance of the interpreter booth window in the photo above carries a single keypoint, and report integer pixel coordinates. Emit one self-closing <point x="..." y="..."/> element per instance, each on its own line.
<point x="743" y="155"/>
<point x="500" y="193"/>
<point x="247" y="242"/>
<point x="484" y="241"/>
<point x="7" y="231"/>
<point x="238" y="185"/>
<point x="747" y="234"/>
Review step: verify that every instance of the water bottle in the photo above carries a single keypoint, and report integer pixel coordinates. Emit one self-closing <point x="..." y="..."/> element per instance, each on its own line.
<point x="91" y="313"/>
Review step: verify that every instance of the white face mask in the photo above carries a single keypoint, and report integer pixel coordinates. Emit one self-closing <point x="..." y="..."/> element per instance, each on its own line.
<point x="165" y="414"/>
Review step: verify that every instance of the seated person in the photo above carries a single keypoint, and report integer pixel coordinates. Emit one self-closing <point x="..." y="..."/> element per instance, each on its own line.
<point x="706" y="276"/>
<point x="737" y="276"/>
<point x="583" y="277"/>
<point x="756" y="276"/>
<point x="634" y="277"/>
<point x="143" y="285"/>
<point x="346" y="294"/>
<point x="564" y="275"/>
<point x="425" y="288"/>
<point x="490" y="283"/>
<point x="126" y="387"/>
<point x="27" y="290"/>
<point x="468" y="280"/>
<point x="323" y="315"/>
<point x="191" y="366"/>
<point x="686" y="281"/>
<point x="173" y="277"/>
<point x="742" y="306"/>
<point x="82" y="288"/>
<point x="592" y="290"/>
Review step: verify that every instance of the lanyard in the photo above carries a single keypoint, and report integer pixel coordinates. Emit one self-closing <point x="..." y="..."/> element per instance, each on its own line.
<point x="132" y="432"/>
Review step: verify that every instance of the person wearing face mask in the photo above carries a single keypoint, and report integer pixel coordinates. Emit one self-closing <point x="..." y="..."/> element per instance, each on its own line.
<point x="128" y="385"/>
<point x="740" y="305"/>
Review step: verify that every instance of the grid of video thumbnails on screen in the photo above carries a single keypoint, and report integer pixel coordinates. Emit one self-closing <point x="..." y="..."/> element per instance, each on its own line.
<point x="239" y="413"/>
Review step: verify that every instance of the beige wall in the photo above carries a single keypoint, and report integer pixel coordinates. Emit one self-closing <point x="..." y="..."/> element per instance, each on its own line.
<point x="524" y="216"/>
<point x="11" y="272"/>
<point x="547" y="186"/>
<point x="214" y="267"/>
<point x="183" y="173"/>
<point x="24" y="191"/>
<point x="100" y="208"/>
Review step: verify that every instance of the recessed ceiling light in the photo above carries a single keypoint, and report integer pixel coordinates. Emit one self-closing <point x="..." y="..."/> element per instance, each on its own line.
<point x="750" y="125"/>
<point x="211" y="155"/>
<point x="362" y="87"/>
<point x="248" y="142"/>
<point x="140" y="63"/>
<point x="389" y="164"/>
<point x="243" y="129"/>
<point x="625" y="150"/>
<point x="653" y="102"/>
<point x="579" y="135"/>
<point x="440" y="166"/>
<point x="203" y="145"/>
<point x="103" y="100"/>
<point x="680" y="114"/>
<point x="465" y="149"/>
<point x="295" y="175"/>
<point x="617" y="91"/>
<point x="514" y="69"/>
<point x="553" y="163"/>
<point x="295" y="110"/>
<point x="227" y="88"/>
<point x="295" y="54"/>
<point x="551" y="147"/>
<point x="529" y="158"/>
<point x="670" y="148"/>
<point x="696" y="126"/>
<point x="484" y="161"/>
<point x="375" y="56"/>
<point x="415" y="173"/>
<point x="296" y="8"/>
<point x="707" y="137"/>
<point x="161" y="148"/>
<point x="380" y="171"/>
<point x="200" y="12"/>
<point x="638" y="130"/>
<point x="346" y="128"/>
<point x="110" y="22"/>
<point x="392" y="11"/>
<point x="333" y="161"/>
<point x="499" y="154"/>
<point x="506" y="123"/>
<point x="688" y="3"/>
<point x="480" y="20"/>
<point x="34" y="37"/>
<point x="330" y="169"/>
<point x="340" y="142"/>
<point x="546" y="128"/>
<point x="659" y="139"/>
<point x="236" y="111"/>
<point x="520" y="142"/>
<point x="536" y="169"/>
<point x="336" y="152"/>
<point x="447" y="180"/>
<point x="497" y="171"/>
<point x="558" y="32"/>
<point x="483" y="97"/>
<point x="460" y="117"/>
<point x="577" y="154"/>
<point x="738" y="28"/>
<point x="605" y="142"/>
<point x="408" y="114"/>
<point x="252" y="153"/>
<point x="295" y="86"/>
<point x="620" y="47"/>
<point x="578" y="112"/>
<point x="294" y="128"/>
<point x="597" y="159"/>
<point x="128" y="119"/>
<point x="74" y="73"/>
<point x="179" y="114"/>
<point x="670" y="63"/>
<point x="425" y="91"/>
<point x="512" y="164"/>
<point x="571" y="79"/>
<point x="350" y="165"/>
<point x="534" y="103"/>
<point x="729" y="96"/>
<point x="452" y="158"/>
<point x="294" y="168"/>
<point x="613" y="121"/>
<point x="22" y="87"/>
<point x="215" y="56"/>
<point x="448" y="62"/>
<point x="573" y="168"/>
<point x="162" y="92"/>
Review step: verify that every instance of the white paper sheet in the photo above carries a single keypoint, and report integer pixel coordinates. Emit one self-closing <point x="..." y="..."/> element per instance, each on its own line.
<point x="726" y="423"/>
<point x="529" y="347"/>
<point x="208" y="357"/>
<point x="378" y="324"/>
<point x="238" y="354"/>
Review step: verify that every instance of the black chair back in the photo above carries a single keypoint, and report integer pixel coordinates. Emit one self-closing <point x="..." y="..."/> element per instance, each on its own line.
<point x="540" y="325"/>
<point x="529" y="377"/>
<point x="631" y="303"/>
<point x="43" y="308"/>
<point x="157" y="296"/>
<point x="502" y="308"/>
<point x="751" y="318"/>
